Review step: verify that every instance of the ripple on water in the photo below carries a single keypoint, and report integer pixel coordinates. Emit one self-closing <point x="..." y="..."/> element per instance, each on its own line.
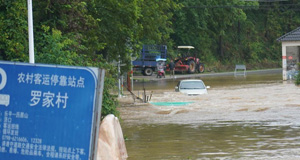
<point x="234" y="140"/>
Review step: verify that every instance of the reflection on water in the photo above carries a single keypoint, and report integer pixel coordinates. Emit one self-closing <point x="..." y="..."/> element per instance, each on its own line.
<point x="222" y="140"/>
<point x="212" y="81"/>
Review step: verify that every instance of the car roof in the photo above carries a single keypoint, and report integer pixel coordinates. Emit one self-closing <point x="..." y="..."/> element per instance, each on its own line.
<point x="191" y="80"/>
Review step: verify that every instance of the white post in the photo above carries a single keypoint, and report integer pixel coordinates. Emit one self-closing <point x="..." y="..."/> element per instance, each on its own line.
<point x="131" y="74"/>
<point x="122" y="84"/>
<point x="30" y="32"/>
<point x="131" y="79"/>
<point x="119" y="76"/>
<point x="284" y="65"/>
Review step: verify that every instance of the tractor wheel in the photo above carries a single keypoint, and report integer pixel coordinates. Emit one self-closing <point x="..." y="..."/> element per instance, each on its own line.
<point x="201" y="68"/>
<point x="148" y="72"/>
<point x="192" y="66"/>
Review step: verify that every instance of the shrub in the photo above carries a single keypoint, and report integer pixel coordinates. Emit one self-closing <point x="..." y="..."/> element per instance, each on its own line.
<point x="297" y="82"/>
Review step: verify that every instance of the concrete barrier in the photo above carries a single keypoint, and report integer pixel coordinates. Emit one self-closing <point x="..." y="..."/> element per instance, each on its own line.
<point x="111" y="144"/>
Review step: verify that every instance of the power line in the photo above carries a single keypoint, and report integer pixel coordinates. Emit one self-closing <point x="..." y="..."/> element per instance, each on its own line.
<point x="264" y="0"/>
<point x="239" y="6"/>
<point x="264" y="7"/>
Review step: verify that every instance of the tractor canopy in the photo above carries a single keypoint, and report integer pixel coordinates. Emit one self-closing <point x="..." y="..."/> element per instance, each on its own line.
<point x="185" y="47"/>
<point x="161" y="59"/>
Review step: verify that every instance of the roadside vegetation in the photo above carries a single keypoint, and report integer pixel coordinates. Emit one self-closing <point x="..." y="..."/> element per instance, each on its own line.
<point x="297" y="81"/>
<point x="94" y="33"/>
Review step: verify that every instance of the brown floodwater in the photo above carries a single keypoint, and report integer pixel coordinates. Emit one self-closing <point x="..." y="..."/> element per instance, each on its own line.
<point x="256" y="117"/>
<point x="222" y="140"/>
<point x="217" y="81"/>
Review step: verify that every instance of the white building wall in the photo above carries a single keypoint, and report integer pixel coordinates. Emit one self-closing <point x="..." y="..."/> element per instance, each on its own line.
<point x="289" y="49"/>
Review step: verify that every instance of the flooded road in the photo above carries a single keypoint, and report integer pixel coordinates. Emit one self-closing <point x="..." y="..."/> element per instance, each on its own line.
<point x="223" y="140"/>
<point x="213" y="81"/>
<point x="256" y="117"/>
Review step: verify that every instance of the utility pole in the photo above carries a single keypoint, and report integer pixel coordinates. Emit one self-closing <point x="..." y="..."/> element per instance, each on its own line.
<point x="119" y="77"/>
<point x="30" y="32"/>
<point x="131" y="73"/>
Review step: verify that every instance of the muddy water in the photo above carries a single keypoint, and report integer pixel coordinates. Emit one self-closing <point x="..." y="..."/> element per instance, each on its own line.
<point x="224" y="140"/>
<point x="252" y="118"/>
<point x="218" y="81"/>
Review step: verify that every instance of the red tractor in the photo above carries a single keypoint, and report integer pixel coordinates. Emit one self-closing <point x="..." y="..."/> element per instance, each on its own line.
<point x="187" y="63"/>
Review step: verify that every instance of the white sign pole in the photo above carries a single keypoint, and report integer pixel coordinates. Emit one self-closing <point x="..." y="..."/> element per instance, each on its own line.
<point x="30" y="32"/>
<point x="119" y="77"/>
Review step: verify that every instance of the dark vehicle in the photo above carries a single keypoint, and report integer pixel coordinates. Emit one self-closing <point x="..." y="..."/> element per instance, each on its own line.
<point x="188" y="63"/>
<point x="146" y="61"/>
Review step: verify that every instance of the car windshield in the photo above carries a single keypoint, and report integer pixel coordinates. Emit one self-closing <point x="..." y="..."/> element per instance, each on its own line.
<point x="192" y="85"/>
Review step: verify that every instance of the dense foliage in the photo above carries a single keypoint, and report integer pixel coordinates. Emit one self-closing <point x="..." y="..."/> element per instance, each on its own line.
<point x="227" y="32"/>
<point x="96" y="32"/>
<point x="297" y="81"/>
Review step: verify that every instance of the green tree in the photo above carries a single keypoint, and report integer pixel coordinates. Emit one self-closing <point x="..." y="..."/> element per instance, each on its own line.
<point x="13" y="30"/>
<point x="206" y="25"/>
<point x="73" y="20"/>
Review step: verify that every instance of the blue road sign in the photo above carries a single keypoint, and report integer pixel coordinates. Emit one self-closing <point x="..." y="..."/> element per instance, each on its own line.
<point x="46" y="112"/>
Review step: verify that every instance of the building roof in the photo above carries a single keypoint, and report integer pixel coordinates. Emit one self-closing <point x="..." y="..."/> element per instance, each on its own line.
<point x="291" y="36"/>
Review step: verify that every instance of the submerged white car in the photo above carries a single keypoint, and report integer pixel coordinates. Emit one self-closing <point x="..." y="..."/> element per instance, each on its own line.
<point x="191" y="87"/>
